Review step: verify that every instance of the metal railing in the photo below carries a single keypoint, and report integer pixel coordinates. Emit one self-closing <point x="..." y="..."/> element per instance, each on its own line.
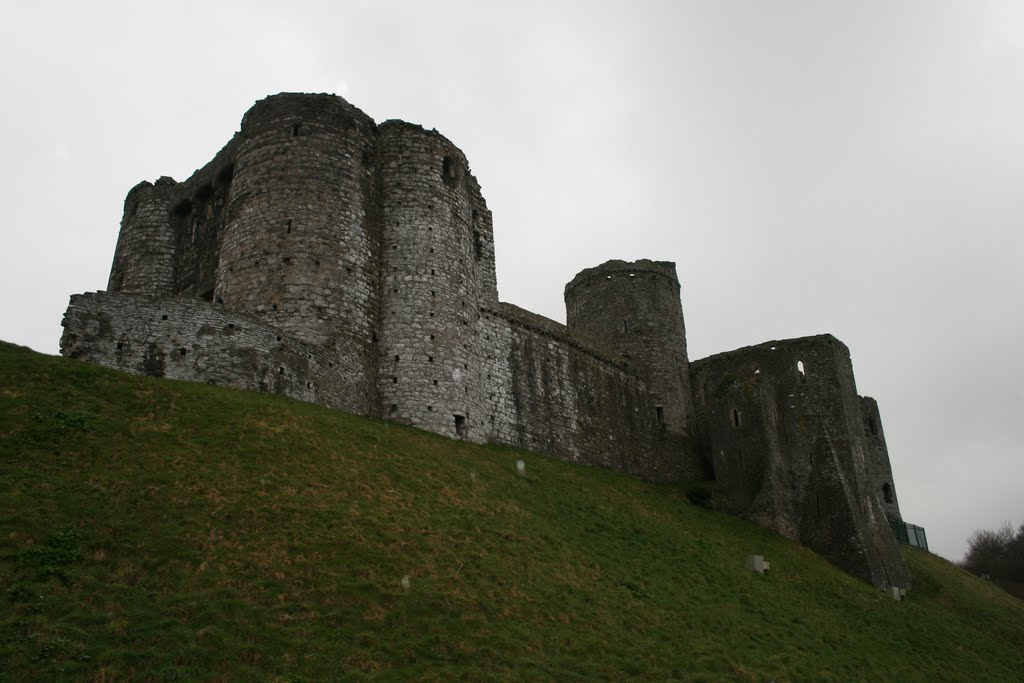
<point x="909" y="534"/>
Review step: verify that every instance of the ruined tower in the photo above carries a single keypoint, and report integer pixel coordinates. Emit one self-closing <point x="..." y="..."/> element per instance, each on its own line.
<point x="437" y="270"/>
<point x="635" y="310"/>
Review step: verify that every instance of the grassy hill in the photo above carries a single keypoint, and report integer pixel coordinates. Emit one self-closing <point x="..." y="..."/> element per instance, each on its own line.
<point x="156" y="530"/>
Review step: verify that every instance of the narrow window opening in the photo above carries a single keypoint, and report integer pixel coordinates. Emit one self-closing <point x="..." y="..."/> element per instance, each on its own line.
<point x="435" y="382"/>
<point x="309" y="385"/>
<point x="430" y="359"/>
<point x="625" y="326"/>
<point x="449" y="172"/>
<point x="280" y="370"/>
<point x="163" y="317"/>
<point x="478" y="242"/>
<point x="659" y="411"/>
<point x="183" y="352"/>
<point x="396" y="358"/>
<point x="430" y="409"/>
<point x="289" y="226"/>
<point x="735" y="417"/>
<point x="887" y="493"/>
<point x="295" y="130"/>
<point x="393" y="409"/>
<point x="460" y="424"/>
<point x="394" y="380"/>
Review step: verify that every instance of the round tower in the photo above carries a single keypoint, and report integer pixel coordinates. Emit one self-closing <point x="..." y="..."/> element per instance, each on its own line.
<point x="634" y="310"/>
<point x="144" y="257"/>
<point x="299" y="248"/>
<point x="434" y="277"/>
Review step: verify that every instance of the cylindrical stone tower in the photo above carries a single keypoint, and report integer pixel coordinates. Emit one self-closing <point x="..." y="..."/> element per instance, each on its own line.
<point x="301" y="239"/>
<point x="434" y="268"/>
<point x="634" y="309"/>
<point x="144" y="258"/>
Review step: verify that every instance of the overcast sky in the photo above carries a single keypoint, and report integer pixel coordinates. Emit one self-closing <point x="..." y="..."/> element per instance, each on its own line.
<point x="811" y="166"/>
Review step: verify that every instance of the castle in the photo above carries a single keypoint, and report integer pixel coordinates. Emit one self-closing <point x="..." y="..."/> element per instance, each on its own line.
<point x="326" y="257"/>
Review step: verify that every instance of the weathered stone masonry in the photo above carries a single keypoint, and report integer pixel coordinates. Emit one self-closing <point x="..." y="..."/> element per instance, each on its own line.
<point x="325" y="257"/>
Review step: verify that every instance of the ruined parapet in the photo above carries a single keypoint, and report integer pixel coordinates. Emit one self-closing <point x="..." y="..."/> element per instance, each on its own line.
<point x="783" y="426"/>
<point x="880" y="479"/>
<point x="193" y="340"/>
<point x="433" y="258"/>
<point x="634" y="309"/>
<point x="301" y="241"/>
<point x="144" y="260"/>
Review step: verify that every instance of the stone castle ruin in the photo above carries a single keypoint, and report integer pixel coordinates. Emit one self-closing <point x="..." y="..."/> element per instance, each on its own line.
<point x="326" y="257"/>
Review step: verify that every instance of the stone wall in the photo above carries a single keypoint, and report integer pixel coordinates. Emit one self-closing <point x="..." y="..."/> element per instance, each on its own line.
<point x="550" y="392"/>
<point x="190" y="339"/>
<point x="782" y="424"/>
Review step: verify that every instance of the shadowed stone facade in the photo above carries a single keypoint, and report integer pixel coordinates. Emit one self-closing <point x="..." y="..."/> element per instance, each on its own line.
<point x="325" y="257"/>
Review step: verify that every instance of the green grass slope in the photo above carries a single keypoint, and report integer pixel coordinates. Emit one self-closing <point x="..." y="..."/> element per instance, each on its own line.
<point x="157" y="530"/>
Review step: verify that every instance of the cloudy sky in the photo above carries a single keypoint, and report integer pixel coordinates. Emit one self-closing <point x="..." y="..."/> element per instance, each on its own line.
<point x="811" y="166"/>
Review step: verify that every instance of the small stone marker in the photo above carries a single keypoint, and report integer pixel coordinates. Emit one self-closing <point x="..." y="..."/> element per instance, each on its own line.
<point x="757" y="563"/>
<point x="521" y="468"/>
<point x="405" y="582"/>
<point x="896" y="592"/>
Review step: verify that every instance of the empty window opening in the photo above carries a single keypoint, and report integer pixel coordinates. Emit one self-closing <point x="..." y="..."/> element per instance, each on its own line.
<point x="460" y="424"/>
<point x="231" y="326"/>
<point x="394" y="380"/>
<point x="309" y="385"/>
<point x="478" y="242"/>
<point x="625" y="326"/>
<point x="449" y="171"/>
<point x="430" y="359"/>
<point x="281" y="370"/>
<point x="163" y="317"/>
<point x="431" y="337"/>
<point x="393" y="409"/>
<point x="430" y="409"/>
<point x="396" y="358"/>
<point x="120" y="345"/>
<point x="207" y="295"/>
<point x="659" y="412"/>
<point x="432" y="272"/>
<point x="295" y="129"/>
<point x="289" y="227"/>
<point x="735" y="417"/>
<point x="433" y="293"/>
<point x="183" y="352"/>
<point x="887" y="493"/>
<point x="435" y="382"/>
